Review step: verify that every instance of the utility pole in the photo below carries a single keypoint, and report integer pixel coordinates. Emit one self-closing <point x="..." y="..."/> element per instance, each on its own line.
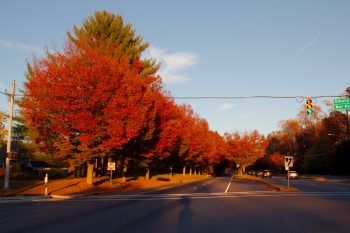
<point x="9" y="137"/>
<point x="347" y="124"/>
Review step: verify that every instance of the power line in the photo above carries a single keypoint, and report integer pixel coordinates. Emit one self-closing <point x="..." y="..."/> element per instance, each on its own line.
<point x="256" y="97"/>
<point x="234" y="97"/>
<point x="4" y="93"/>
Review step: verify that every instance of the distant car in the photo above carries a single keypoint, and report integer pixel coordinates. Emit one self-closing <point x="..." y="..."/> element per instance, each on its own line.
<point x="266" y="173"/>
<point x="292" y="175"/>
<point x="250" y="172"/>
<point x="258" y="173"/>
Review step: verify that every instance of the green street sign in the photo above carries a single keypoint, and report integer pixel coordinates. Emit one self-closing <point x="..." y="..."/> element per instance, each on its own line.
<point x="341" y="104"/>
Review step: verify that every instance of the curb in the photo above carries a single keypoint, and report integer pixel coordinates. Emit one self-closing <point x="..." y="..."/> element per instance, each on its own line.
<point x="23" y="198"/>
<point x="61" y="197"/>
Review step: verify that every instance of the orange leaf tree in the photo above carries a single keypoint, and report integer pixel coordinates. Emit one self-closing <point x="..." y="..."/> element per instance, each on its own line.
<point x="244" y="149"/>
<point x="83" y="104"/>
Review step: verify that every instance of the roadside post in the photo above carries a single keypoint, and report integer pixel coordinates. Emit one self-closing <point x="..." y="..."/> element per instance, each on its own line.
<point x="288" y="162"/>
<point x="111" y="167"/>
<point x="46" y="180"/>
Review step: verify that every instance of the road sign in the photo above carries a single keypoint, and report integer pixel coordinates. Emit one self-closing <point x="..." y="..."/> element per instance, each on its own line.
<point x="111" y="166"/>
<point x="341" y="104"/>
<point x="288" y="161"/>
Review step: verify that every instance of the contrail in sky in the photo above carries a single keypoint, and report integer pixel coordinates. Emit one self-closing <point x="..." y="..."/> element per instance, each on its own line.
<point x="308" y="45"/>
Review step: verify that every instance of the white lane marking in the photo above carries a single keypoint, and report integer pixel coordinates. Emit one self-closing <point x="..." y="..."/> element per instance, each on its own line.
<point x="175" y="195"/>
<point x="229" y="184"/>
<point x="214" y="197"/>
<point x="155" y="197"/>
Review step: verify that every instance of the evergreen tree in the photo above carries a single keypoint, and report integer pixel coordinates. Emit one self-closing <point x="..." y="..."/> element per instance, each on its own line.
<point x="107" y="32"/>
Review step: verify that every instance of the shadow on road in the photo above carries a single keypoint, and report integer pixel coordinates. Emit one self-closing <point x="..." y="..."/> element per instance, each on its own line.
<point x="185" y="216"/>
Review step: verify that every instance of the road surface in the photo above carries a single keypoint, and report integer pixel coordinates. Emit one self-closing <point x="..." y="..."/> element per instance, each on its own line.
<point x="216" y="205"/>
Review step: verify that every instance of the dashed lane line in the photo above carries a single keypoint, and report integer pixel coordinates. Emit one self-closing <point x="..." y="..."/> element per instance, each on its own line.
<point x="229" y="184"/>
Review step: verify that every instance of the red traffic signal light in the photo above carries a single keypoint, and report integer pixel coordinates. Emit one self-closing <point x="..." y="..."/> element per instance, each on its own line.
<point x="309" y="109"/>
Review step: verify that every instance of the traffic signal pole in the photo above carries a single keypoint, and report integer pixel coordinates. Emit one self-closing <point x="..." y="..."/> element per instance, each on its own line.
<point x="347" y="123"/>
<point x="288" y="177"/>
<point x="9" y="137"/>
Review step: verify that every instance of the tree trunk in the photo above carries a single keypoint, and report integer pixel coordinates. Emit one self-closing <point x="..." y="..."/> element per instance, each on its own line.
<point x="240" y="171"/>
<point x="102" y="170"/>
<point x="94" y="173"/>
<point x="147" y="173"/>
<point x="90" y="169"/>
<point x="171" y="171"/>
<point x="125" y="169"/>
<point x="184" y="170"/>
<point x="190" y="170"/>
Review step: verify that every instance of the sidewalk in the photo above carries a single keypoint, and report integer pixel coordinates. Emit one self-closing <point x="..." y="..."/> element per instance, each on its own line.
<point x="17" y="199"/>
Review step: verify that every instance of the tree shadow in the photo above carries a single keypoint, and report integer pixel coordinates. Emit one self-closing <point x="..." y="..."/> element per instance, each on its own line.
<point x="63" y="187"/>
<point x="25" y="189"/>
<point x="97" y="183"/>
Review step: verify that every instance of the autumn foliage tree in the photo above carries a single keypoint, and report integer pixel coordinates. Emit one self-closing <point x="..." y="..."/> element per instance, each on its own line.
<point x="244" y="149"/>
<point x="83" y="104"/>
<point x="98" y="98"/>
<point x="2" y="128"/>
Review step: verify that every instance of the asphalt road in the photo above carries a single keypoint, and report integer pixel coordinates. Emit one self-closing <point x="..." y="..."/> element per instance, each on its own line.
<point x="312" y="185"/>
<point x="247" y="206"/>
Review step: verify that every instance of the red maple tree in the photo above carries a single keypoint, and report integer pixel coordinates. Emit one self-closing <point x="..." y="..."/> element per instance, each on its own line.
<point x="244" y="149"/>
<point x="83" y="104"/>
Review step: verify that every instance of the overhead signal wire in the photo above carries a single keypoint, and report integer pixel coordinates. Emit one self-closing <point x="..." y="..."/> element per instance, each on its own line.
<point x="235" y="97"/>
<point x="254" y="97"/>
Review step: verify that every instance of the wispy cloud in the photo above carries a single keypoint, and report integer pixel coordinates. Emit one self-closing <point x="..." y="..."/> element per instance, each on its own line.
<point x="308" y="45"/>
<point x="19" y="46"/>
<point x="173" y="64"/>
<point x="226" y="106"/>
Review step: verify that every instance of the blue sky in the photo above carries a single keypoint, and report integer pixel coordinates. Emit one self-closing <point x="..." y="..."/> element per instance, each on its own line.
<point x="207" y="48"/>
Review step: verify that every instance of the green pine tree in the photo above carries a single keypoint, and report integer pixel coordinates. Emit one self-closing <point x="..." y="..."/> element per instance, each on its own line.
<point x="108" y="33"/>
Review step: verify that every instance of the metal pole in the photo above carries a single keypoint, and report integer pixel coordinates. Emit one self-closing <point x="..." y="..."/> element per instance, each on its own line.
<point x="347" y="123"/>
<point x="110" y="180"/>
<point x="288" y="177"/>
<point x="9" y="137"/>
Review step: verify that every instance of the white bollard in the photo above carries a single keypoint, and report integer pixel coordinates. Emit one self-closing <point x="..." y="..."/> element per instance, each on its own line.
<point x="46" y="181"/>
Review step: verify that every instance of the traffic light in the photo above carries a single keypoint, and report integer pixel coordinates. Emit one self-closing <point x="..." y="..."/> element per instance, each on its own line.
<point x="309" y="109"/>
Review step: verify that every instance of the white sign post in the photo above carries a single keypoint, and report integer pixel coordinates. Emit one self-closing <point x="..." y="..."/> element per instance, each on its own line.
<point x="111" y="167"/>
<point x="46" y="181"/>
<point x="288" y="162"/>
